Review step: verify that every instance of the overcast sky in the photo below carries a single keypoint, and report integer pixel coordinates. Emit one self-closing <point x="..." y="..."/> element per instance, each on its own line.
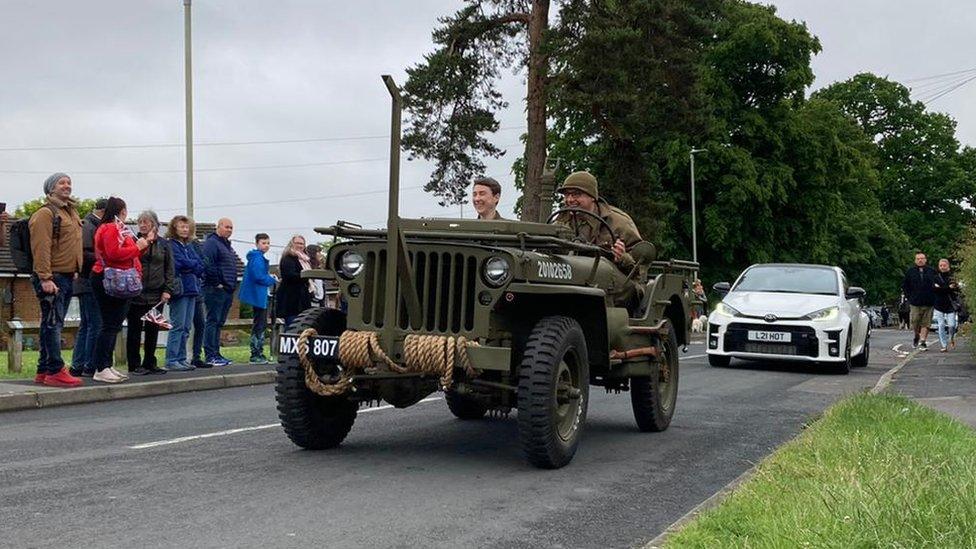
<point x="110" y="73"/>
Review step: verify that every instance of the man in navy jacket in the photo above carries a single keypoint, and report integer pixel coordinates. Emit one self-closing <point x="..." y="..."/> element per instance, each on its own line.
<point x="219" y="282"/>
<point x="919" y="287"/>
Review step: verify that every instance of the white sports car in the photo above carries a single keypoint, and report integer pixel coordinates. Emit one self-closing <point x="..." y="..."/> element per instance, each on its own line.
<point x="788" y="311"/>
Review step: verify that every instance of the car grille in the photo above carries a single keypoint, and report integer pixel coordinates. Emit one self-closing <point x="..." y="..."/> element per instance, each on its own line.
<point x="805" y="342"/>
<point x="446" y="285"/>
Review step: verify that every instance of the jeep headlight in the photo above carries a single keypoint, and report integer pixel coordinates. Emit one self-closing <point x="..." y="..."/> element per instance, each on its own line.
<point x="824" y="315"/>
<point x="351" y="264"/>
<point x="496" y="271"/>
<point x="725" y="310"/>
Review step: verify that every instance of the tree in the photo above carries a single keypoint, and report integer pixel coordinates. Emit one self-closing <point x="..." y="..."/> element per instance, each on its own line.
<point x="451" y="97"/>
<point x="927" y="183"/>
<point x="27" y="209"/>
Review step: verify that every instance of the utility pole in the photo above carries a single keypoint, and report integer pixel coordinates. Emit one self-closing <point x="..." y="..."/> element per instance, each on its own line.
<point x="694" y="221"/>
<point x="188" y="79"/>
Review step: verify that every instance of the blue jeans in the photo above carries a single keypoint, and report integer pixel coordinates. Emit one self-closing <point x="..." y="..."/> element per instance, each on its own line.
<point x="199" y="326"/>
<point x="947" y="323"/>
<point x="257" y="332"/>
<point x="181" y="312"/>
<point x="218" y="305"/>
<point x="53" y="309"/>
<point x="82" y="358"/>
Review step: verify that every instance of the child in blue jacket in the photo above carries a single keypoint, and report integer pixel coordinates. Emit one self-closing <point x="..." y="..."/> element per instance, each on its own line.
<point x="254" y="292"/>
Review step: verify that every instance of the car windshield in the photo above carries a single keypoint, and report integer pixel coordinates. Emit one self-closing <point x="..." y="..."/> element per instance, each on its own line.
<point x="789" y="280"/>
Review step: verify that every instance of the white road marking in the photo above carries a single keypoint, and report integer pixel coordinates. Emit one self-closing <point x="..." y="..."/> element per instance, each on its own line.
<point x="179" y="440"/>
<point x="690" y="357"/>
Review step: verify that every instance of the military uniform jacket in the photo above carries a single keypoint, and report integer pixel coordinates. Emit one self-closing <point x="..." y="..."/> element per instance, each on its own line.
<point x="591" y="231"/>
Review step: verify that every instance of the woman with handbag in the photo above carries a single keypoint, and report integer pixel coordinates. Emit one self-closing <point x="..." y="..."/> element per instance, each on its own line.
<point x="116" y="278"/>
<point x="182" y="307"/>
<point x="158" y="286"/>
<point x="946" y="305"/>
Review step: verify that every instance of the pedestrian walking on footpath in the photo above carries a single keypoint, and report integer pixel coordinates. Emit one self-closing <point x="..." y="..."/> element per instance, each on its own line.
<point x="254" y="291"/>
<point x="182" y="306"/>
<point x="219" y="283"/>
<point x="885" y="315"/>
<point x="158" y="286"/>
<point x="946" y="305"/>
<point x="55" y="242"/>
<point x="116" y="278"/>
<point x="294" y="293"/>
<point x="90" y="322"/>
<point x="919" y="287"/>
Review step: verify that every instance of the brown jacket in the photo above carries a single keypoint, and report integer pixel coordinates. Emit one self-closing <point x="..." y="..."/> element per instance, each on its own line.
<point x="496" y="217"/>
<point x="593" y="232"/>
<point x="56" y="256"/>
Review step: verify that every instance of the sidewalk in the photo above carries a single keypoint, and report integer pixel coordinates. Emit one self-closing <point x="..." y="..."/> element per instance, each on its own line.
<point x="943" y="381"/>
<point x="24" y="394"/>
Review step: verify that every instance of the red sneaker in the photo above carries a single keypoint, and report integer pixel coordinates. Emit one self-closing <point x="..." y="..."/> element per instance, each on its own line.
<point x="39" y="379"/>
<point x="62" y="379"/>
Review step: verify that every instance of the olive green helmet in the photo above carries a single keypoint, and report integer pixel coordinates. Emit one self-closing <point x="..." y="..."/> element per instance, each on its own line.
<point x="581" y="181"/>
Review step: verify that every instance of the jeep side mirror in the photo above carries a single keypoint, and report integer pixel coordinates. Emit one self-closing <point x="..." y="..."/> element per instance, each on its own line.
<point x="722" y="287"/>
<point x="855" y="292"/>
<point x="643" y="252"/>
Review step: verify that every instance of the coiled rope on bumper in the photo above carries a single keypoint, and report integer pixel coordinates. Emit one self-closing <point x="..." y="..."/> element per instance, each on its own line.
<point x="359" y="351"/>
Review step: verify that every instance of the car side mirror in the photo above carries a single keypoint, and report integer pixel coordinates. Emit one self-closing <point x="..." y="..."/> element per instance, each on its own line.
<point x="722" y="287"/>
<point x="643" y="252"/>
<point x="856" y="293"/>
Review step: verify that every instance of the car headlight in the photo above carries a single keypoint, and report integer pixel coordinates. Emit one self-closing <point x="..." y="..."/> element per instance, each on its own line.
<point x="824" y="315"/>
<point x="726" y="310"/>
<point x="496" y="271"/>
<point x="351" y="264"/>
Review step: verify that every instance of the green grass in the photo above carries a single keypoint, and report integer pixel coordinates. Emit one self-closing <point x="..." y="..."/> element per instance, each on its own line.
<point x="875" y="471"/>
<point x="238" y="354"/>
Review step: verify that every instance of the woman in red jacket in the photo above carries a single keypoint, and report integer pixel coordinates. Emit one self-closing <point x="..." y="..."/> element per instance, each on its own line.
<point x="115" y="246"/>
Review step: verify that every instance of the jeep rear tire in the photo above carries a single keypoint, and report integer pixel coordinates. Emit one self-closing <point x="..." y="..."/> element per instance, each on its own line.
<point x="553" y="391"/>
<point x="311" y="421"/>
<point x="653" y="398"/>
<point x="465" y="406"/>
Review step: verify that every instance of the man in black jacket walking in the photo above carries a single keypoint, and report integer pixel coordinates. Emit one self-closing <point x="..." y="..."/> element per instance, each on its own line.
<point x="919" y="288"/>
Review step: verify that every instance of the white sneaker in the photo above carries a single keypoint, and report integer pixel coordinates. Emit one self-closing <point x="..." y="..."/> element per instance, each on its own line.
<point x="118" y="373"/>
<point x="106" y="376"/>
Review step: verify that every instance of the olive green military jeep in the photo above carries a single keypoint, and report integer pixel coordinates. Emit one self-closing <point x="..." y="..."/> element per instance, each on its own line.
<point x="499" y="315"/>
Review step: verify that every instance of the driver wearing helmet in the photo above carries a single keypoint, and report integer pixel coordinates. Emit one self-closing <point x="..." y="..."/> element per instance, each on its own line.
<point x="579" y="190"/>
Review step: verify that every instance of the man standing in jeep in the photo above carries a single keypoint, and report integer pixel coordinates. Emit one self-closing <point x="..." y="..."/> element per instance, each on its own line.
<point x="55" y="239"/>
<point x="580" y="191"/>
<point x="485" y="194"/>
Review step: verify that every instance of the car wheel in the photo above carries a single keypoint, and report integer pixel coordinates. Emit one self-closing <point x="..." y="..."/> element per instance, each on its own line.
<point x="553" y="392"/>
<point x="844" y="367"/>
<point x="861" y="360"/>
<point x="719" y="361"/>
<point x="311" y="421"/>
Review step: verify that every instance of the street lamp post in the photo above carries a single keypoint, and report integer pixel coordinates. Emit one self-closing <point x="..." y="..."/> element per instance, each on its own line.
<point x="694" y="221"/>
<point x="188" y="79"/>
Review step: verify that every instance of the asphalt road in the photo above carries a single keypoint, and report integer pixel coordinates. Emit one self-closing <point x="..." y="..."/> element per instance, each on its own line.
<point x="91" y="475"/>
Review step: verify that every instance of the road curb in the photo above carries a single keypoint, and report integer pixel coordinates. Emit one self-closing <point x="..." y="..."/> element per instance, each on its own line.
<point x="713" y="501"/>
<point x="102" y="393"/>
<point x="718" y="497"/>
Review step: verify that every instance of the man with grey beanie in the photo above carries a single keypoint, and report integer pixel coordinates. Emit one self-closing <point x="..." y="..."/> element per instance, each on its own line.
<point x="55" y="239"/>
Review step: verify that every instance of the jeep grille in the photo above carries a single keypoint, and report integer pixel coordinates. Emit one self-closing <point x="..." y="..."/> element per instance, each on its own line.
<point x="446" y="285"/>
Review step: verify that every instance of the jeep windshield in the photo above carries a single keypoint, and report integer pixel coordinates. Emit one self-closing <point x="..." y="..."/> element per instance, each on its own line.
<point x="789" y="280"/>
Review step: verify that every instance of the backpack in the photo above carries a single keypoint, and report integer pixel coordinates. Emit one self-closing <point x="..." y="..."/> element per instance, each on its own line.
<point x="20" y="246"/>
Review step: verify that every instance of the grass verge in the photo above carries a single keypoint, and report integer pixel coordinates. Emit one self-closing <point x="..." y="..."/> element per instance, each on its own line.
<point x="875" y="471"/>
<point x="238" y="354"/>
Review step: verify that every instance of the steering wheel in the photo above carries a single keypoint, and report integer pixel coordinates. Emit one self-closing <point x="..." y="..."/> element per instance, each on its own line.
<point x="575" y="223"/>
